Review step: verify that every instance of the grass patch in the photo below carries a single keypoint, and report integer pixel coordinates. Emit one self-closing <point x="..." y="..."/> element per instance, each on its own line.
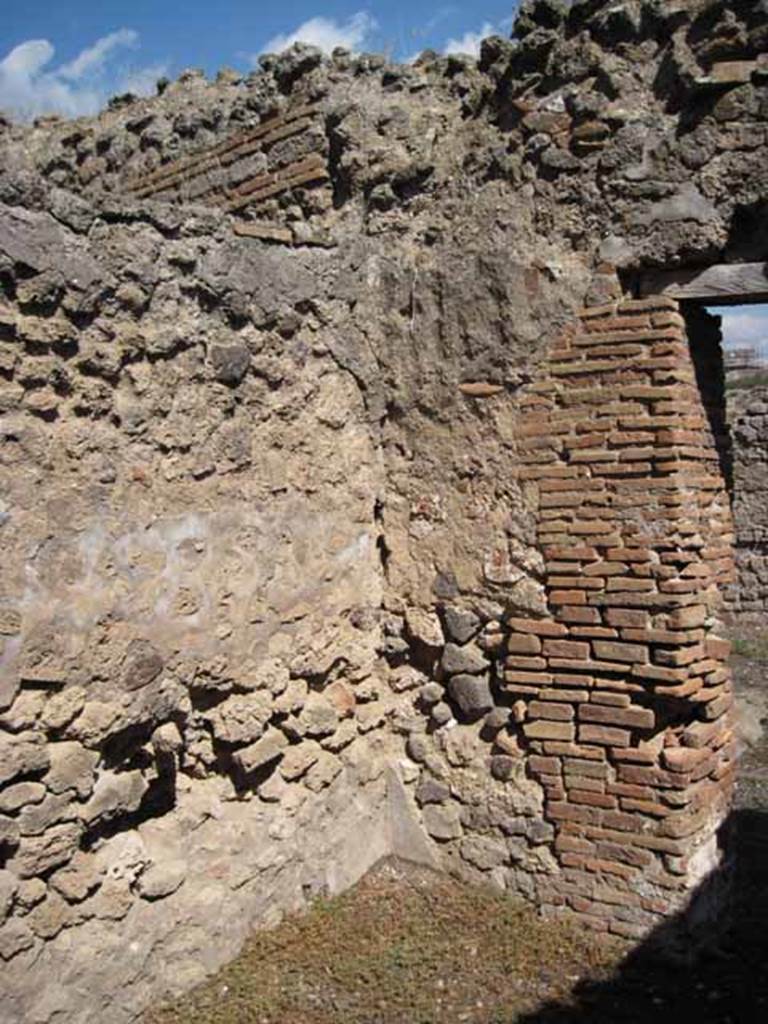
<point x="421" y="951"/>
<point x="752" y="380"/>
<point x="753" y="648"/>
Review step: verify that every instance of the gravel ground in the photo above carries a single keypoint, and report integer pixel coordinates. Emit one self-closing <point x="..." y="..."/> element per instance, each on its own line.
<point x="409" y="947"/>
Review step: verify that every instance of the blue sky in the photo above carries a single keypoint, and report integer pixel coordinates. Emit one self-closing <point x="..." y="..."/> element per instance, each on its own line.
<point x="70" y="57"/>
<point x="745" y="327"/>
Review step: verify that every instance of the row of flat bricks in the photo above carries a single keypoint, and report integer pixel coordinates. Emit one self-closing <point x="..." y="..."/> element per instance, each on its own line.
<point x="222" y="160"/>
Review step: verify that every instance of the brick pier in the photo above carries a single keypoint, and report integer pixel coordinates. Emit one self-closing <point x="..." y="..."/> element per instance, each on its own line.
<point x="622" y="692"/>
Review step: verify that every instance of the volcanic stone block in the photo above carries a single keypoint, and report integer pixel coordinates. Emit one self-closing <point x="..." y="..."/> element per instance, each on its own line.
<point x="472" y="694"/>
<point x="467" y="659"/>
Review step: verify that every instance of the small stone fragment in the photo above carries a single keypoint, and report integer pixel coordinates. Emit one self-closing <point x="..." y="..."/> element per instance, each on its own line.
<point x="242" y="718"/>
<point x="442" y="822"/>
<point x="441" y="714"/>
<point x="22" y="755"/>
<point x="319" y="717"/>
<point x="12" y="798"/>
<point x="142" y="664"/>
<point x="37" y="855"/>
<point x="460" y="624"/>
<point x="424" y="626"/>
<point x="431" y="791"/>
<point x="161" y="880"/>
<point x="299" y="759"/>
<point x="15" y="937"/>
<point x="72" y="766"/>
<point x="472" y="694"/>
<point x="431" y="693"/>
<point x="269" y="748"/>
<point x="229" y="362"/>
<point x="467" y="659"/>
<point x="115" y="794"/>
<point x="61" y="708"/>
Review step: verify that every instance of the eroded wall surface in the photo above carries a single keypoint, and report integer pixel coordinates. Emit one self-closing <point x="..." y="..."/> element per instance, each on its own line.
<point x="748" y="414"/>
<point x="288" y="582"/>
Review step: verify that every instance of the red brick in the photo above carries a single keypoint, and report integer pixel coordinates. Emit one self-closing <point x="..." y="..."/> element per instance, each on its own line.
<point x="683" y="759"/>
<point x="687" y="618"/>
<point x="662" y="636"/>
<point x="584" y="783"/>
<point x="566" y="649"/>
<point x="523" y="643"/>
<point x="645" y="755"/>
<point x="549" y="730"/>
<point x="635" y="792"/>
<point x="628" y="930"/>
<point x="613" y="700"/>
<point x="630" y="555"/>
<point x="551" y="711"/>
<point x="653" y="809"/>
<point x="561" y="811"/>
<point x="577" y="582"/>
<point x="526" y="664"/>
<point x="617" y="323"/>
<point x="649" y="776"/>
<point x="623" y="822"/>
<point x="572" y="696"/>
<point x="574" y="750"/>
<point x="661" y="675"/>
<point x="623" y="853"/>
<point x="702" y="734"/>
<point x="590" y="799"/>
<point x="605" y="569"/>
<point x="584" y="616"/>
<point x="604" y="736"/>
<point x="592" y="769"/>
<point x="623" y="617"/>
<point x="594" y="633"/>
<point x="678" y="657"/>
<point x="528" y="679"/>
<point x="631" y="718"/>
<point x="538" y="627"/>
<point x="573" y="844"/>
<point x="567" y="679"/>
<point x="609" y="650"/>
<point x="690" y="689"/>
<point x="571" y="553"/>
<point x="626" y="584"/>
<point x="544" y="765"/>
<point x="570" y="597"/>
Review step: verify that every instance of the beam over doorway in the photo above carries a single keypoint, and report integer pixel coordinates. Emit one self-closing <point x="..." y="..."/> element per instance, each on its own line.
<point x="722" y="283"/>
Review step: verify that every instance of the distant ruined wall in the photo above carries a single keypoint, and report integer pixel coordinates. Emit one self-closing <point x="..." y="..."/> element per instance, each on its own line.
<point x="748" y="415"/>
<point x="295" y="573"/>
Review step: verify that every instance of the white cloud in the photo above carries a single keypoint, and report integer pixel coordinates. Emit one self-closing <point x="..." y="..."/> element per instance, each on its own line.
<point x="29" y="86"/>
<point x="744" y="327"/>
<point x="326" y="34"/>
<point x="94" y="57"/>
<point x="470" y="42"/>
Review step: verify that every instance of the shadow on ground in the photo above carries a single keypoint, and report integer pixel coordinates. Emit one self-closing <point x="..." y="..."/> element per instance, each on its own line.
<point x="664" y="980"/>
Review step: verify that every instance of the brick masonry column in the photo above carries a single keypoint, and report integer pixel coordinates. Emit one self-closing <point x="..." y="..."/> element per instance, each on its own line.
<point x="622" y="694"/>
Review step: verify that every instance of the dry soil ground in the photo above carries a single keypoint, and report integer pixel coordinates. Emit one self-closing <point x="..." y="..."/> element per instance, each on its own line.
<point x="408" y="947"/>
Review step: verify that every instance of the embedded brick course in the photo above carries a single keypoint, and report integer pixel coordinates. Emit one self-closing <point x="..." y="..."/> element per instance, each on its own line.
<point x="246" y="169"/>
<point x="636" y="534"/>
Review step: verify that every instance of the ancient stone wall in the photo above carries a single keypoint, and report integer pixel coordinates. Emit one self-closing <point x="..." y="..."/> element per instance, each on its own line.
<point x="748" y="415"/>
<point x="373" y="516"/>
